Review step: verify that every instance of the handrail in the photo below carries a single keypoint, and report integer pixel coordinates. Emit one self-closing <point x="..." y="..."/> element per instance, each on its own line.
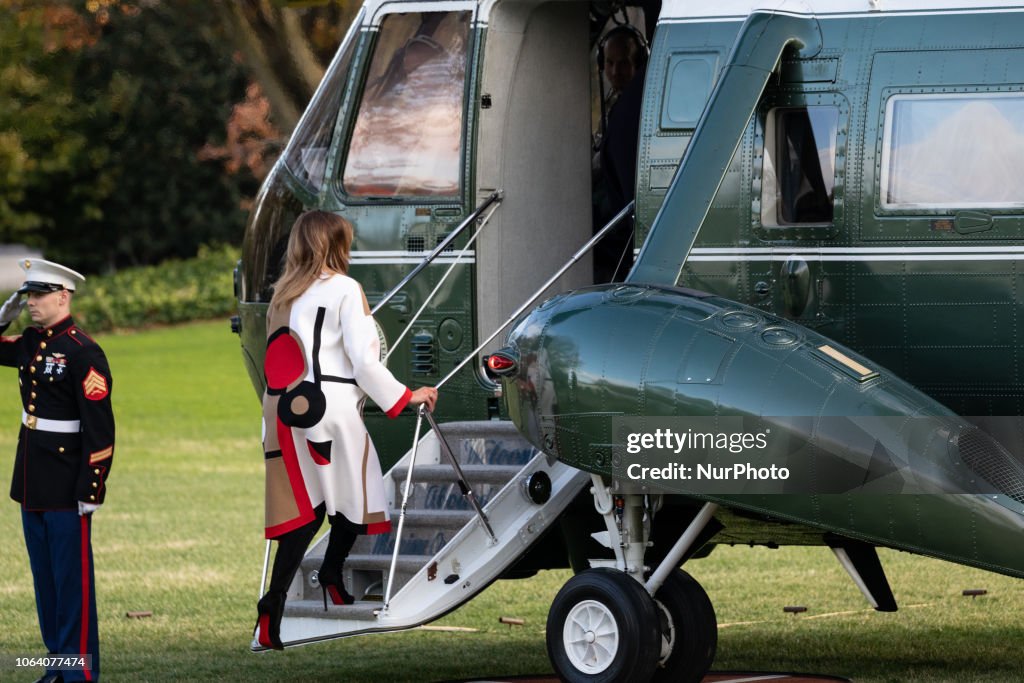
<point x="467" y="491"/>
<point x="440" y="283"/>
<point x="496" y="196"/>
<point x="536" y="295"/>
<point x="405" y="502"/>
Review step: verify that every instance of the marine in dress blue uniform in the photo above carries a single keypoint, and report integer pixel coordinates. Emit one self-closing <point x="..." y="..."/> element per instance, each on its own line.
<point x="65" y="451"/>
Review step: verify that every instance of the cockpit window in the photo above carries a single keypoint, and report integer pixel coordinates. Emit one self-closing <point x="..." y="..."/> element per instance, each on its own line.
<point x="962" y="150"/>
<point x="306" y="154"/>
<point x="799" y="165"/>
<point x="408" y="132"/>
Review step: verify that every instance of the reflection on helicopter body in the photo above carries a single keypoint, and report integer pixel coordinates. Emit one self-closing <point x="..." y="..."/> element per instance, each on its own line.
<point x="407" y="135"/>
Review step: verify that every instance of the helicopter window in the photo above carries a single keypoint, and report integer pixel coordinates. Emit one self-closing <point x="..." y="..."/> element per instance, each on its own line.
<point x="953" y="150"/>
<point x="799" y="165"/>
<point x="408" y="132"/>
<point x="306" y="154"/>
<point x="690" y="77"/>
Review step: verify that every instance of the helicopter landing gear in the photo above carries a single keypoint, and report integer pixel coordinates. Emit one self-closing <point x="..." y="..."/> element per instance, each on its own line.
<point x="604" y="625"/>
<point x="689" y="630"/>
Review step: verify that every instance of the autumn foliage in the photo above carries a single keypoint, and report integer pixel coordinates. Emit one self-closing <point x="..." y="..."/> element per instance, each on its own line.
<point x="131" y="131"/>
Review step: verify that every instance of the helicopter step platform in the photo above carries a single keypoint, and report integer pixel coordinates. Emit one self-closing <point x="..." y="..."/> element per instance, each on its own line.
<point x="445" y="554"/>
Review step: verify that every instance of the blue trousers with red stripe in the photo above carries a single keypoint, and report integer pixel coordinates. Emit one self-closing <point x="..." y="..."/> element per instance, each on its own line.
<point x="60" y="553"/>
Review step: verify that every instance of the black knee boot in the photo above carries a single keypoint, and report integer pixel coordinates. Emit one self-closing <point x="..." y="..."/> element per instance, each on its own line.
<point x="291" y="547"/>
<point x="339" y="544"/>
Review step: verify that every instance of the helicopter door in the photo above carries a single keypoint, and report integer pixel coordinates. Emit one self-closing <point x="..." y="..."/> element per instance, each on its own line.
<point x="400" y="176"/>
<point x="533" y="143"/>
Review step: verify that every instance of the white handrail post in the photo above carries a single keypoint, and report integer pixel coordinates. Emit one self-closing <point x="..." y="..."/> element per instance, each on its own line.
<point x="405" y="501"/>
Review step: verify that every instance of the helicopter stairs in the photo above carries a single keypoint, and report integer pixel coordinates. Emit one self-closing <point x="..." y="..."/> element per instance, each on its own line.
<point x="445" y="555"/>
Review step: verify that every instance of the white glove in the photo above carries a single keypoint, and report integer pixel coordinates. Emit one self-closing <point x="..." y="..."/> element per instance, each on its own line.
<point x="12" y="308"/>
<point x="86" y="508"/>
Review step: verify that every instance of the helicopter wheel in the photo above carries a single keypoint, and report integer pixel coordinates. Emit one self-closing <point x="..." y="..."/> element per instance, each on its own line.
<point x="603" y="627"/>
<point x="689" y="630"/>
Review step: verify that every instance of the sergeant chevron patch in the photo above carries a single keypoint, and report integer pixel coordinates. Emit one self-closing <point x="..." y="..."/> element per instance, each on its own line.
<point x="100" y="456"/>
<point x="95" y="385"/>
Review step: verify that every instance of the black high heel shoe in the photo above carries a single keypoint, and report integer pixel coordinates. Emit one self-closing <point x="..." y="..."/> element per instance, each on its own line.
<point x="268" y="623"/>
<point x="331" y="584"/>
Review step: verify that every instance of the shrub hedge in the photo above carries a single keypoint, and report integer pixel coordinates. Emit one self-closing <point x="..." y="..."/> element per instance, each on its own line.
<point x="174" y="291"/>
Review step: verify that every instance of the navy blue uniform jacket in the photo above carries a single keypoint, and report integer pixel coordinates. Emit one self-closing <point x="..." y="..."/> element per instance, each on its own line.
<point x="63" y="375"/>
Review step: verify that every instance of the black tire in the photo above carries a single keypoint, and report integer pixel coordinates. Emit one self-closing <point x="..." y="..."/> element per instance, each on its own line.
<point x="689" y="629"/>
<point x="627" y="637"/>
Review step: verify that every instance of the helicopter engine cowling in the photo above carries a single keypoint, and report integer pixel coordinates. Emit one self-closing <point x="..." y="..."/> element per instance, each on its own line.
<point x="893" y="456"/>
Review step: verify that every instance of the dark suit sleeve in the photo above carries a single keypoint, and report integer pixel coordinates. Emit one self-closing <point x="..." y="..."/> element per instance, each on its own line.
<point x="92" y="392"/>
<point x="622" y="142"/>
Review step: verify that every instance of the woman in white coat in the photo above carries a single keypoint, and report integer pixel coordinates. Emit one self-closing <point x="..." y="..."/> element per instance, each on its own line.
<point x="322" y="361"/>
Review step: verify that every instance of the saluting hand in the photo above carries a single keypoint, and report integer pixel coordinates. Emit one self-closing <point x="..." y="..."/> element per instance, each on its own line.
<point x="426" y="395"/>
<point x="12" y="308"/>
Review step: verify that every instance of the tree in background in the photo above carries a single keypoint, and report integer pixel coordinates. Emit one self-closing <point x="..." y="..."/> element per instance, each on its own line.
<point x="159" y="85"/>
<point x="40" y="143"/>
<point x="132" y="131"/>
<point x="287" y="46"/>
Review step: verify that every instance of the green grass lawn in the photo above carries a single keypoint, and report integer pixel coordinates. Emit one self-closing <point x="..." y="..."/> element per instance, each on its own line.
<point x="181" y="536"/>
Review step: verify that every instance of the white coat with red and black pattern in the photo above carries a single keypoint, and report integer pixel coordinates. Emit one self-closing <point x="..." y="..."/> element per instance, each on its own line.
<point x="66" y="442"/>
<point x="323" y="359"/>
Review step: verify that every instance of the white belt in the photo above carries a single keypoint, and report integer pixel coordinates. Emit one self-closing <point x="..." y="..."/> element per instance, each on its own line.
<point x="44" y="425"/>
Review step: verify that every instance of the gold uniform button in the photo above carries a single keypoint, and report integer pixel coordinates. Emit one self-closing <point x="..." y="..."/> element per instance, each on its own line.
<point x="35" y="383"/>
<point x="33" y="394"/>
<point x="72" y="331"/>
<point x="60" y="449"/>
<point x="49" y="333"/>
<point x="31" y="408"/>
<point x="31" y="368"/>
<point x="39" y="358"/>
<point x="92" y="497"/>
<point x="42" y="345"/>
<point x="95" y="485"/>
<point x="96" y="471"/>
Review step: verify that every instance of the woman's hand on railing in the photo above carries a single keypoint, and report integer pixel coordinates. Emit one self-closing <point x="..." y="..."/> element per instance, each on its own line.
<point x="426" y="396"/>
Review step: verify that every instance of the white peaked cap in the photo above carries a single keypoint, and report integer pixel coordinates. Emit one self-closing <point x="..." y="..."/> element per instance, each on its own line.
<point x="47" y="276"/>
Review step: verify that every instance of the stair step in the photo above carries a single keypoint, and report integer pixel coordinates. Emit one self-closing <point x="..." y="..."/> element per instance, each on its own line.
<point x="365" y="561"/>
<point x="422" y="525"/>
<point x="406" y="563"/>
<point x="437" y="518"/>
<point x="362" y="610"/>
<point x="445" y="495"/>
<point x="491" y="454"/>
<point x="480" y="429"/>
<point x="492" y="442"/>
<point x="475" y="474"/>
